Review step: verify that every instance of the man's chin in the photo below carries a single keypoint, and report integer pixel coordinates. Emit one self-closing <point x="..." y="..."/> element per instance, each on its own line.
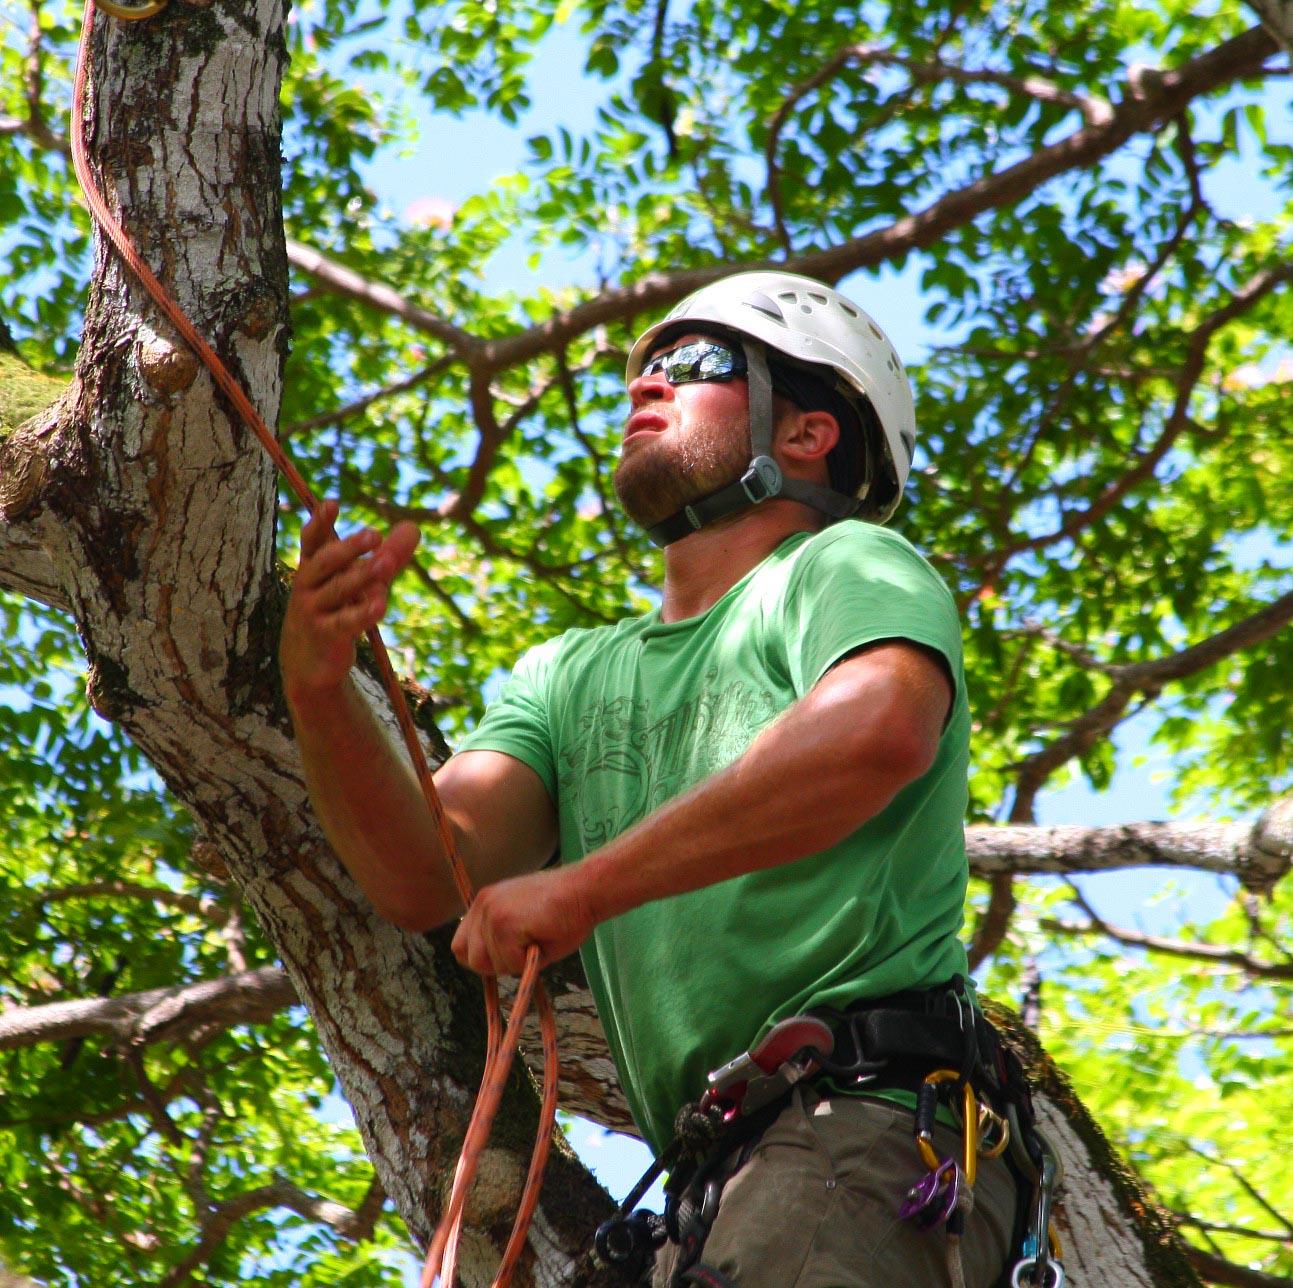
<point x="652" y="489"/>
<point x="644" y="494"/>
<point x="644" y="515"/>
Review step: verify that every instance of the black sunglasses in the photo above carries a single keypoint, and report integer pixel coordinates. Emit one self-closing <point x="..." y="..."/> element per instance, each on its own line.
<point x="697" y="360"/>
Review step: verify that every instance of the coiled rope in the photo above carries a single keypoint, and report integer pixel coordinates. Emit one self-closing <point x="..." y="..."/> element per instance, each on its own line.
<point x="442" y="1255"/>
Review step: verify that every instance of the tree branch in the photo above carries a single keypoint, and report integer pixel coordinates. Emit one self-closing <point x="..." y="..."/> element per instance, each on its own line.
<point x="25" y="564"/>
<point x="491" y="439"/>
<point x="994" y="924"/>
<point x="468" y="626"/>
<point x="550" y="573"/>
<point x="568" y="391"/>
<point x="1259" y="854"/>
<point x="360" y="405"/>
<point x="156" y="1015"/>
<point x="1245" y="1184"/>
<point x="1277" y="18"/>
<point x="1141" y="678"/>
<point x="1156" y="99"/>
<point x="1171" y="947"/>
<point x="199" y="905"/>
<point x="345" y="281"/>
<point x="355" y="1224"/>
<point x="27" y="570"/>
<point x="1216" y="1270"/>
<point x="1150" y="101"/>
<point x="1094" y="111"/>
<point x="1178" y="420"/>
<point x="34" y="125"/>
<point x="1214" y="1227"/>
<point x="1081" y="359"/>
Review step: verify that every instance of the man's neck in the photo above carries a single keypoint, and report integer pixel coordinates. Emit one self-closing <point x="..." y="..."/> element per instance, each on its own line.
<point x="701" y="568"/>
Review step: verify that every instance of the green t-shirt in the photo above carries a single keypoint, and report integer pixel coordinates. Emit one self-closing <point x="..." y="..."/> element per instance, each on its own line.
<point x="619" y="719"/>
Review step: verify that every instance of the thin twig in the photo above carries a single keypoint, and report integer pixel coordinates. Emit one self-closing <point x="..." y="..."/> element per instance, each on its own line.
<point x="1213" y="953"/>
<point x="360" y="405"/>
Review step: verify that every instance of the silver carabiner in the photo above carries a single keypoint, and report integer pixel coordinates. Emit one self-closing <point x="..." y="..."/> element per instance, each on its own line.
<point x="1026" y="1267"/>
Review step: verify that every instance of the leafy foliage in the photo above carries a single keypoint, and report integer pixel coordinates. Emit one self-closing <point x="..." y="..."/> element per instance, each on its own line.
<point x="1102" y="479"/>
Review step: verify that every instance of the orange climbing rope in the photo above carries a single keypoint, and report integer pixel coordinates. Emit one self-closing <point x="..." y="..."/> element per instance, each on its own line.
<point x="501" y="1046"/>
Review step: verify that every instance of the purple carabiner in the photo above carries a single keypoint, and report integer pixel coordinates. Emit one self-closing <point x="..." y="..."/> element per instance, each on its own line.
<point x="933" y="1199"/>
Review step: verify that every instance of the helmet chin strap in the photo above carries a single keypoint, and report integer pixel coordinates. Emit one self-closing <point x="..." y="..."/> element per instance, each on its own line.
<point x="763" y="479"/>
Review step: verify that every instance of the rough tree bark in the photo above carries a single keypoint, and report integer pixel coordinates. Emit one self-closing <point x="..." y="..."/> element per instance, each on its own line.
<point x="140" y="506"/>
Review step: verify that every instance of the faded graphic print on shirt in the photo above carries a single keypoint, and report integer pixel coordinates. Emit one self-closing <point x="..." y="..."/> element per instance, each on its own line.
<point x="629" y="759"/>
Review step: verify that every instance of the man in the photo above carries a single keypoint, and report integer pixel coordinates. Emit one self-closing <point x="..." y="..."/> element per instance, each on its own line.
<point x="757" y="790"/>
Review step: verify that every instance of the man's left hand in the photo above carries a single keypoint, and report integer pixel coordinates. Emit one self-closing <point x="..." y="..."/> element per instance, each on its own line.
<point x="506" y="918"/>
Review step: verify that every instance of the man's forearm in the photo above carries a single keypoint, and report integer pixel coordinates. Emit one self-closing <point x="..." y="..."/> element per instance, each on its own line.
<point x="372" y="808"/>
<point x="834" y="760"/>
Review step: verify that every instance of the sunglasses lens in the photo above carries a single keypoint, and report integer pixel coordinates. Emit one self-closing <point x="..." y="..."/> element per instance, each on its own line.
<point x="699" y="360"/>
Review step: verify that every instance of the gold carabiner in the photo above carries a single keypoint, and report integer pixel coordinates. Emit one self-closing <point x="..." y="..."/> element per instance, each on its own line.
<point x="989" y="1122"/>
<point x="969" y="1129"/>
<point x="131" y="12"/>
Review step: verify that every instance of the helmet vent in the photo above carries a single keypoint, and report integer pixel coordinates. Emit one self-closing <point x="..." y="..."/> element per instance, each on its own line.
<point x="762" y="304"/>
<point x="849" y="309"/>
<point x="819" y="299"/>
<point x="875" y="331"/>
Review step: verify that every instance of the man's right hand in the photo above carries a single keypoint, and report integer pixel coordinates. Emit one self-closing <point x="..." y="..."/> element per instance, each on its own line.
<point x="365" y="792"/>
<point x="341" y="589"/>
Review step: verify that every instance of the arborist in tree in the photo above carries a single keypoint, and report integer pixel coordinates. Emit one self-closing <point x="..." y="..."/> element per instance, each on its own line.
<point x="757" y="793"/>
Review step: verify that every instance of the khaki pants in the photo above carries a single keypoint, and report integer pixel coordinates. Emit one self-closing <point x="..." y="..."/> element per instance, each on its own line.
<point x="816" y="1206"/>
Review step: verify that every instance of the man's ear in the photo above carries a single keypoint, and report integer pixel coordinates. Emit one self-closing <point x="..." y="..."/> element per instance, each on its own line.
<point x="806" y="437"/>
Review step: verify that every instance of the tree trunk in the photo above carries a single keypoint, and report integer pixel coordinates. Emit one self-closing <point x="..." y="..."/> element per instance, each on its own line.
<point x="149" y="512"/>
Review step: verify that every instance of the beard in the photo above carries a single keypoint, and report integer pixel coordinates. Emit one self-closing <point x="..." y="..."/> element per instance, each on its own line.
<point x="662" y="474"/>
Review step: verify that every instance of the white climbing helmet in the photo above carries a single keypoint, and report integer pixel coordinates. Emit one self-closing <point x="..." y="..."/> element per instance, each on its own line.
<point x="812" y="325"/>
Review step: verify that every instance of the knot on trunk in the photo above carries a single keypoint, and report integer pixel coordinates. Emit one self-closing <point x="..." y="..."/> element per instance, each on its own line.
<point x="24" y="464"/>
<point x="166" y="366"/>
<point x="1269" y="852"/>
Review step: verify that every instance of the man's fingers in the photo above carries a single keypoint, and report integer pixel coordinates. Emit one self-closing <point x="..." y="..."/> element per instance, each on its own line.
<point x="319" y="530"/>
<point x="402" y="542"/>
<point x="355" y="618"/>
<point x="335" y="557"/>
<point x="348" y="585"/>
<point x="469" y="949"/>
<point x="484" y="947"/>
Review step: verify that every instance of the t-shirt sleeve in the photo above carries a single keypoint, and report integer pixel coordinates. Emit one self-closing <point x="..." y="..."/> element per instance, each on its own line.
<point x="518" y="721"/>
<point x="858" y="585"/>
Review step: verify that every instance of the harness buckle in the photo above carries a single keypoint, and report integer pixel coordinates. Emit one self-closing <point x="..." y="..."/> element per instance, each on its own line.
<point x="791" y="1050"/>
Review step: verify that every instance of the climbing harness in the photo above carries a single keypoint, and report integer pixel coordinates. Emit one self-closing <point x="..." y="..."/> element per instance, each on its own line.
<point x="501" y="1046"/>
<point x="907" y="1041"/>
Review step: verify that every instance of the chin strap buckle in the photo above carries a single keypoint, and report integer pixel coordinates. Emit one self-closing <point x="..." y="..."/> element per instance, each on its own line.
<point x="762" y="480"/>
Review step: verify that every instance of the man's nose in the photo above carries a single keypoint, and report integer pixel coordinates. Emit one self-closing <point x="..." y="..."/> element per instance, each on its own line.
<point x="652" y="388"/>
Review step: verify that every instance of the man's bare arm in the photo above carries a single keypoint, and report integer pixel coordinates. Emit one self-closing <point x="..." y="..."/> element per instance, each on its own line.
<point x="833" y="760"/>
<point x="363" y="788"/>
